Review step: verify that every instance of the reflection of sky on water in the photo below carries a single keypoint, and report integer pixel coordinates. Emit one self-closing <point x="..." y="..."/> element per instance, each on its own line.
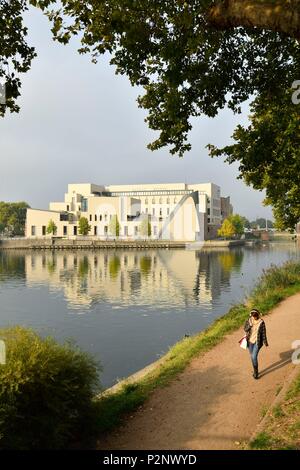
<point x="127" y="307"/>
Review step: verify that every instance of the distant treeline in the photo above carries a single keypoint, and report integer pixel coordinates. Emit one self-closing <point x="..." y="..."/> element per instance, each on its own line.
<point x="12" y="218"/>
<point x="259" y="223"/>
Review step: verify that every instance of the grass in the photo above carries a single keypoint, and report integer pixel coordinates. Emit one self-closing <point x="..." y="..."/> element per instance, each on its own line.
<point x="275" y="284"/>
<point x="262" y="441"/>
<point x="282" y="428"/>
<point x="264" y="411"/>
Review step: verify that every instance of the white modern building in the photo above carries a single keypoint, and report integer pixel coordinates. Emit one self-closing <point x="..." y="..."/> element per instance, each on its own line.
<point x="181" y="211"/>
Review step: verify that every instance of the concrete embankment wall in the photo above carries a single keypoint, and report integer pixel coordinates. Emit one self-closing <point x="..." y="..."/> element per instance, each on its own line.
<point x="223" y="243"/>
<point x="48" y="243"/>
<point x="58" y="243"/>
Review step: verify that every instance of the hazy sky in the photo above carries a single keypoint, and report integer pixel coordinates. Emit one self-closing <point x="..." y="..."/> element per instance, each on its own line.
<point x="79" y="122"/>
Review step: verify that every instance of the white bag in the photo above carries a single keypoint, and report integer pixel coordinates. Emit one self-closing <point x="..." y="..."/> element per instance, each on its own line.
<point x="243" y="342"/>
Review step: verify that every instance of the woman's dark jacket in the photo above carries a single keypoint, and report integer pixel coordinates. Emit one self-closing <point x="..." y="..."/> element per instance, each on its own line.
<point x="261" y="334"/>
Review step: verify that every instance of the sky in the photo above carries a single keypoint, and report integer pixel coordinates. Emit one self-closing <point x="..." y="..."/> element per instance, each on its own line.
<point x="80" y="123"/>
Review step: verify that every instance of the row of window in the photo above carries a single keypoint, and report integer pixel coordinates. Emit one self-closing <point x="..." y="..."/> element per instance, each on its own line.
<point x="160" y="201"/>
<point x="95" y="231"/>
<point x="160" y="211"/>
<point x="44" y="230"/>
<point x="100" y="217"/>
<point x="106" y="217"/>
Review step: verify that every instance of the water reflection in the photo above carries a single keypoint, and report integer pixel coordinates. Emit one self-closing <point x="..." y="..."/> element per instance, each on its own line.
<point x="12" y="266"/>
<point x="167" y="277"/>
<point x="127" y="307"/>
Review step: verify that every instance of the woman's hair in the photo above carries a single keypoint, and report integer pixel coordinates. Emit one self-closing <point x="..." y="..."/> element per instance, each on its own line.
<point x="255" y="313"/>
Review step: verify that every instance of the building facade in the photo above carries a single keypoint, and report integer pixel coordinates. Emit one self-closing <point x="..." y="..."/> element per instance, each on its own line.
<point x="226" y="208"/>
<point x="185" y="212"/>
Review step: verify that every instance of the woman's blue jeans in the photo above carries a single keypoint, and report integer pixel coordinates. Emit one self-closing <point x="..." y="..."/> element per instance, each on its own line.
<point x="253" y="350"/>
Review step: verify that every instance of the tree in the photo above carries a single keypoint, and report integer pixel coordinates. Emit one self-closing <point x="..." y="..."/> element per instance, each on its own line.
<point x="114" y="226"/>
<point x="227" y="230"/>
<point x="238" y="224"/>
<point x="246" y="222"/>
<point x="262" y="223"/>
<point x="145" y="227"/>
<point x="192" y="58"/>
<point x="268" y="152"/>
<point x="84" y="226"/>
<point x="51" y="228"/>
<point x="12" y="217"/>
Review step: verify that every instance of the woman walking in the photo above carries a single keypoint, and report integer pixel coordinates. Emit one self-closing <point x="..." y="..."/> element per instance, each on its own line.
<point x="255" y="329"/>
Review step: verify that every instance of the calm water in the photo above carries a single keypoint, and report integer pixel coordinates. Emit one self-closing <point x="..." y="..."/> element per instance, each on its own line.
<point x="127" y="307"/>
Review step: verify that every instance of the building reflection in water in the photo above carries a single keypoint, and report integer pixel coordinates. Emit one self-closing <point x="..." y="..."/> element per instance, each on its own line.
<point x="152" y="277"/>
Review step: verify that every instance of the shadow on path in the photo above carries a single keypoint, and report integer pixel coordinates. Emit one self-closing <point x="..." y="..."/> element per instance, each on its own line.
<point x="285" y="359"/>
<point x="178" y="414"/>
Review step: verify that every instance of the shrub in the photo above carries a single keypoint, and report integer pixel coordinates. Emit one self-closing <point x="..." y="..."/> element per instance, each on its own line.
<point x="46" y="393"/>
<point x="269" y="289"/>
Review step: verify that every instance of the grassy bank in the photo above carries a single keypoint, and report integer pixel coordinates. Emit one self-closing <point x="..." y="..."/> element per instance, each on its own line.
<point x="275" y="284"/>
<point x="282" y="428"/>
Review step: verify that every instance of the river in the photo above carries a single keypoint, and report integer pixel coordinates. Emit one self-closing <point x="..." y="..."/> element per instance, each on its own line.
<point x="128" y="307"/>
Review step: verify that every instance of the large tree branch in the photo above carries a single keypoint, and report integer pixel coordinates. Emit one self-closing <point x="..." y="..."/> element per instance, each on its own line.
<point x="282" y="16"/>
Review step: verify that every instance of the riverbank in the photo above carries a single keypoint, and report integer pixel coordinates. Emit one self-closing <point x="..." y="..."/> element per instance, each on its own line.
<point x="88" y="243"/>
<point x="83" y="244"/>
<point x="213" y="380"/>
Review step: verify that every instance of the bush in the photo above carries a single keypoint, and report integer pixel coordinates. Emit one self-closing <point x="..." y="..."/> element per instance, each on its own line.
<point x="46" y="394"/>
<point x="275" y="284"/>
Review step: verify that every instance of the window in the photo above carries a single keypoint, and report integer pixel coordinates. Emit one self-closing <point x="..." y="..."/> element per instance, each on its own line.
<point x="33" y="230"/>
<point x="175" y="200"/>
<point x="63" y="216"/>
<point x="136" y="231"/>
<point x="65" y="230"/>
<point x="79" y="208"/>
<point x="153" y="211"/>
<point x="91" y="217"/>
<point x="100" y="218"/>
<point x="68" y="207"/>
<point x="95" y="231"/>
<point x="146" y="200"/>
<point x="168" y="211"/>
<point x="153" y="200"/>
<point x="160" y="200"/>
<point x="105" y="217"/>
<point x="84" y="204"/>
<point x="160" y="212"/>
<point x="44" y="230"/>
<point x="146" y="210"/>
<point x="75" y="230"/>
<point x="168" y="200"/>
<point x="105" y="230"/>
<point x="95" y="217"/>
<point x="126" y="231"/>
<point x="155" y="231"/>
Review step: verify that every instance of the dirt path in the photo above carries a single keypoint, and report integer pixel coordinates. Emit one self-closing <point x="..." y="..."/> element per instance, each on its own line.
<point x="215" y="403"/>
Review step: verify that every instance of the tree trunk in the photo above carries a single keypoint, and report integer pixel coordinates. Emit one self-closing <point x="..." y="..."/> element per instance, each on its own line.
<point x="282" y="16"/>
